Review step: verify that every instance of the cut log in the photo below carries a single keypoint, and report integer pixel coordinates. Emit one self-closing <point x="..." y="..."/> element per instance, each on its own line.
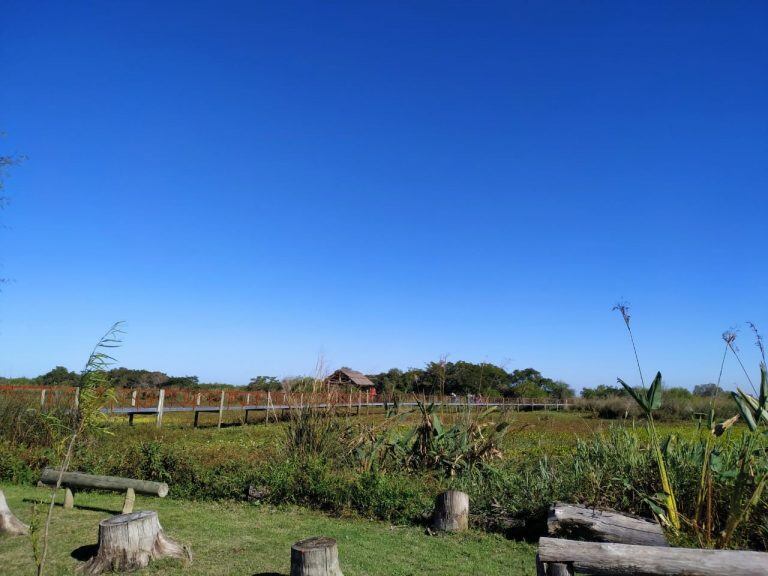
<point x="130" y="542"/>
<point x="317" y="556"/>
<point x="595" y="525"/>
<point x="451" y="512"/>
<point x="611" y="559"/>
<point x="9" y="524"/>
<point x="49" y="476"/>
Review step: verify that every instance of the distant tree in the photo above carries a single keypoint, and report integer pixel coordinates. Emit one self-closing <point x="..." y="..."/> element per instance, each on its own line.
<point x="129" y="378"/>
<point x="678" y="393"/>
<point x="265" y="383"/>
<point x="710" y="389"/>
<point x="59" y="376"/>
<point x="558" y="389"/>
<point x="182" y="382"/>
<point x="297" y="384"/>
<point x="5" y="163"/>
<point x="529" y="383"/>
<point x="602" y="391"/>
<point x="389" y="381"/>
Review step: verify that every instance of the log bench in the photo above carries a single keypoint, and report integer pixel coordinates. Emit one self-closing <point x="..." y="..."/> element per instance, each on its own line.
<point x="576" y="522"/>
<point x="565" y="557"/>
<point x="70" y="480"/>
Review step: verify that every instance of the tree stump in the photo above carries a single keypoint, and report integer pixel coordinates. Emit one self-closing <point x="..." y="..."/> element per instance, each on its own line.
<point x="9" y="524"/>
<point x="451" y="512"/>
<point x="130" y="541"/>
<point x="316" y="556"/>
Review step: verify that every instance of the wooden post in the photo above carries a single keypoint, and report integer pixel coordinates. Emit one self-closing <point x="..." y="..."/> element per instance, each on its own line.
<point x="247" y="399"/>
<point x="129" y="542"/>
<point x="317" y="556"/>
<point x="269" y="404"/>
<point x="69" y="499"/>
<point x="42" y="399"/>
<point x="77" y="398"/>
<point x="451" y="512"/>
<point x="133" y="398"/>
<point x="130" y="498"/>
<point x="9" y="524"/>
<point x="221" y="408"/>
<point x="160" y="407"/>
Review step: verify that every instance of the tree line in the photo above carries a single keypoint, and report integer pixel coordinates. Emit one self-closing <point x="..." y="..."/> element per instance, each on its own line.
<point x="439" y="378"/>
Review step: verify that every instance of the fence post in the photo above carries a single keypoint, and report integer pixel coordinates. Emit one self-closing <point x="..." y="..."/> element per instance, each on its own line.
<point x="133" y="398"/>
<point x="221" y="408"/>
<point x="77" y="398"/>
<point x="160" y="406"/>
<point x="42" y="399"/>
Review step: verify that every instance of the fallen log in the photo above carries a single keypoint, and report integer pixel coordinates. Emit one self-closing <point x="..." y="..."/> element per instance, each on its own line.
<point x="582" y="523"/>
<point x="9" y="524"/>
<point x="451" y="512"/>
<point x="50" y="476"/>
<point x="317" y="556"/>
<point x="131" y="541"/>
<point x="609" y="559"/>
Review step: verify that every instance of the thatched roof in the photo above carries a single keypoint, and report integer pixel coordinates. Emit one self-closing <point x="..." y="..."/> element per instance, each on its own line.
<point x="347" y="376"/>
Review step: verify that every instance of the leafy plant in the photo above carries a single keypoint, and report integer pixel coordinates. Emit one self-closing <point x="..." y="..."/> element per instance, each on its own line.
<point x="469" y="443"/>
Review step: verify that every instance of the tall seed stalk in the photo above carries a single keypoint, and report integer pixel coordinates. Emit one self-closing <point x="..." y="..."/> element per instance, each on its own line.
<point x="649" y="401"/>
<point x="95" y="393"/>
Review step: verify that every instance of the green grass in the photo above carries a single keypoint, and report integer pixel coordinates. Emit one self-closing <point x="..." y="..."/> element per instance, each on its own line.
<point x="229" y="538"/>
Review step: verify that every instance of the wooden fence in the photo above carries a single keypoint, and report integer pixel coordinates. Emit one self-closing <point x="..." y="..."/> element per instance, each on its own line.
<point x="159" y="401"/>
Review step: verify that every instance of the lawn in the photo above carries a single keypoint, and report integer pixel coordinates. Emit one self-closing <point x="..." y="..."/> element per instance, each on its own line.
<point x="253" y="540"/>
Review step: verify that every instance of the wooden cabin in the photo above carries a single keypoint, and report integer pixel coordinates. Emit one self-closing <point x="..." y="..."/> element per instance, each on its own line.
<point x="346" y="379"/>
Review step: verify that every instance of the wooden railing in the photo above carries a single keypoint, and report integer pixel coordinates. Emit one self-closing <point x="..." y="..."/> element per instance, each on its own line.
<point x="131" y="401"/>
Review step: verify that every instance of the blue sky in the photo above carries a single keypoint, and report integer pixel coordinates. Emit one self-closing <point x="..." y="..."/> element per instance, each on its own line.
<point x="250" y="185"/>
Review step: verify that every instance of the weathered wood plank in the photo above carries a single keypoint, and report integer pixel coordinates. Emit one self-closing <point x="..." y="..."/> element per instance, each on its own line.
<point x="582" y="523"/>
<point x="50" y="476"/>
<point x="610" y="559"/>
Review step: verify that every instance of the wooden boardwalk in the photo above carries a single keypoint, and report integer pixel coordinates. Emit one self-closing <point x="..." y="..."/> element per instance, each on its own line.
<point x="157" y="402"/>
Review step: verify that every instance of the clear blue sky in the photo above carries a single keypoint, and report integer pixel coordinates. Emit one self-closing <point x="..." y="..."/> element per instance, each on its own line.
<point x="251" y="184"/>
